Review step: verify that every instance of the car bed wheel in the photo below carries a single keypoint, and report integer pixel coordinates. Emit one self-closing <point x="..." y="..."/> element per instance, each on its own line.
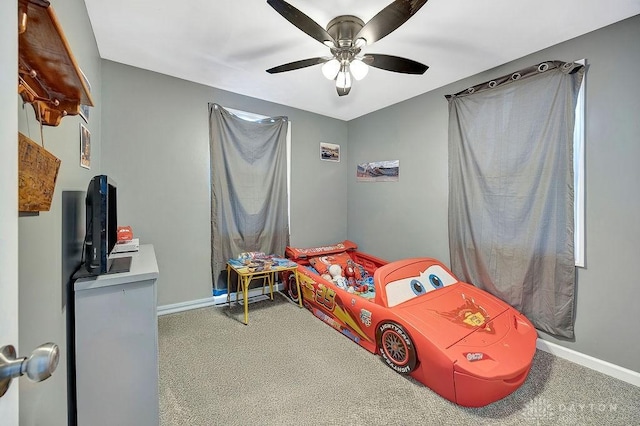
<point x="396" y="348"/>
<point x="292" y="289"/>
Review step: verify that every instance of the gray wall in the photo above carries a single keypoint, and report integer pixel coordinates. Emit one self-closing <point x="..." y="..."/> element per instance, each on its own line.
<point x="156" y="148"/>
<point x="409" y="217"/>
<point x="41" y="312"/>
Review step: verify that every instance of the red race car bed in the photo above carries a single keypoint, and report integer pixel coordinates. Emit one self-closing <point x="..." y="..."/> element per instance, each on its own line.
<point x="465" y="344"/>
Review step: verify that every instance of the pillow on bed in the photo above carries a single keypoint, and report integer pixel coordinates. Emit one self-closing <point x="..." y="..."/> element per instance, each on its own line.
<point x="322" y="263"/>
<point x="304" y="253"/>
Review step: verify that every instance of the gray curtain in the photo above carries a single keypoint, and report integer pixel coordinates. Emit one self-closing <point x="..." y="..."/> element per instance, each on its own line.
<point x="511" y="190"/>
<point x="249" y="210"/>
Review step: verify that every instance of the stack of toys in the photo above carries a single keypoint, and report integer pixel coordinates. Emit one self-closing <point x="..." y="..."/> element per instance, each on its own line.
<point x="344" y="273"/>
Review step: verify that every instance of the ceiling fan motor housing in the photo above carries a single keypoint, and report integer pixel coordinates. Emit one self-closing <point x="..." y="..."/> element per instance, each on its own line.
<point x="344" y="28"/>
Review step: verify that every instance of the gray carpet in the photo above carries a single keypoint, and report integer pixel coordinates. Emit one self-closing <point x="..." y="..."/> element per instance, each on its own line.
<point x="288" y="368"/>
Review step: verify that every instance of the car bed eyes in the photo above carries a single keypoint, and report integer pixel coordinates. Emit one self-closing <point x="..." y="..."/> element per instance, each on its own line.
<point x="435" y="281"/>
<point x="417" y="287"/>
<point x="432" y="278"/>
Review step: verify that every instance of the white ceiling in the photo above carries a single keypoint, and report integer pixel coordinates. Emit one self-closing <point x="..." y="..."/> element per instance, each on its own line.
<point x="230" y="44"/>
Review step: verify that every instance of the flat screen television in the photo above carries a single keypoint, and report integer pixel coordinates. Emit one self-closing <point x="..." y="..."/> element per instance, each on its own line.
<point x="102" y="228"/>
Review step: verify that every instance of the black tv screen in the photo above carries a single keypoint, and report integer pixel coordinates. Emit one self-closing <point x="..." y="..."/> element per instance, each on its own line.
<point x="102" y="224"/>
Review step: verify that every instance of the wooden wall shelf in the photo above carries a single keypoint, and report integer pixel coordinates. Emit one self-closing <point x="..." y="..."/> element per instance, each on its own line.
<point x="49" y="77"/>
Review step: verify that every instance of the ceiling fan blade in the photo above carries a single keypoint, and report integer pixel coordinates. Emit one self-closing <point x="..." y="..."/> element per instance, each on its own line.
<point x="389" y="19"/>
<point x="394" y="63"/>
<point x="302" y="21"/>
<point x="297" y="65"/>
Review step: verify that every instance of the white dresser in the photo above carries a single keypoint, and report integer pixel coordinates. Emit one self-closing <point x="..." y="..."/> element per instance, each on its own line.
<point x="116" y="342"/>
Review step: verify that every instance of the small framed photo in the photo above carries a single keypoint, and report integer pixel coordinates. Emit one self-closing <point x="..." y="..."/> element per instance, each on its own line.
<point x="84" y="112"/>
<point x="85" y="147"/>
<point x="329" y="151"/>
<point x="84" y="109"/>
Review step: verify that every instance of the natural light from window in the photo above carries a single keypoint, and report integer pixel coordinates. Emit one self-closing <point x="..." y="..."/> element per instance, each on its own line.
<point x="578" y="174"/>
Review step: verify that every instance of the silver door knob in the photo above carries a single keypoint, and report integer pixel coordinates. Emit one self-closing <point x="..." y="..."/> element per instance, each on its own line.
<point x="39" y="366"/>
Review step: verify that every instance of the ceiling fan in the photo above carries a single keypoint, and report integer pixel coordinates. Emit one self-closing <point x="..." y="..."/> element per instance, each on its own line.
<point x="346" y="35"/>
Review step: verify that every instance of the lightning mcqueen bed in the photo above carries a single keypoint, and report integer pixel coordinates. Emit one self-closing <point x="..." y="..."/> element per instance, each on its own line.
<point x="465" y="344"/>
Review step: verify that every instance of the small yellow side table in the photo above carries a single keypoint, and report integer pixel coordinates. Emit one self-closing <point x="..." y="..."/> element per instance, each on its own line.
<point x="245" y="276"/>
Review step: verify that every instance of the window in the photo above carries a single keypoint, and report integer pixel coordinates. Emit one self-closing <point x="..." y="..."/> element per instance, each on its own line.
<point x="249" y="116"/>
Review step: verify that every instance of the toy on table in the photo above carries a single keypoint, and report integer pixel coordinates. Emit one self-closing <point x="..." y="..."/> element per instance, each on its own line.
<point x="256" y="261"/>
<point x="125" y="233"/>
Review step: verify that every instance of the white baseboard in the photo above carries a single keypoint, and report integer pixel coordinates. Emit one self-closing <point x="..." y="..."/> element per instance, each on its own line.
<point x="604" y="367"/>
<point x="186" y="306"/>
<point x="209" y="301"/>
<point x="621" y="373"/>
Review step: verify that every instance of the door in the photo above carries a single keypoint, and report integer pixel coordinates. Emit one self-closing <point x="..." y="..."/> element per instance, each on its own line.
<point x="8" y="303"/>
<point x="9" y="196"/>
<point x="8" y="250"/>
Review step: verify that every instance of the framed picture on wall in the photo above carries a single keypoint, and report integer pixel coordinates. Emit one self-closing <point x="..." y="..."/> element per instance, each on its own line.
<point x="378" y="171"/>
<point x="85" y="147"/>
<point x="84" y="113"/>
<point x="329" y="151"/>
<point x="84" y="109"/>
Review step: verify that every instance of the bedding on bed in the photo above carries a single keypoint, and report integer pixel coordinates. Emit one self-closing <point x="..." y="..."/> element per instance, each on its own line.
<point x="336" y="264"/>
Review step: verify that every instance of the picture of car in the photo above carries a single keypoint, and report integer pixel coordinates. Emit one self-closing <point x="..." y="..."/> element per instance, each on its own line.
<point x="465" y="344"/>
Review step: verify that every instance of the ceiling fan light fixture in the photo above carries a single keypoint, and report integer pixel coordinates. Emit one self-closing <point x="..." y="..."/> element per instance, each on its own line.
<point x="360" y="43"/>
<point x="343" y="92"/>
<point x="359" y="69"/>
<point x="330" y="69"/>
<point x="343" y="80"/>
